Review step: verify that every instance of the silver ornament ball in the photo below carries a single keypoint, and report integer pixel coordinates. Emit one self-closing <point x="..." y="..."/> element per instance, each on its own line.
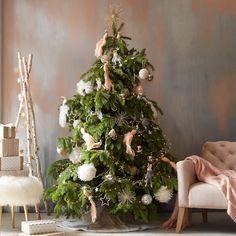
<point x="143" y="73"/>
<point x="146" y="199"/>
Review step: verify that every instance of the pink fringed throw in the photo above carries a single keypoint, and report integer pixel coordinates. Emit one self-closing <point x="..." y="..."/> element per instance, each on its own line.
<point x="224" y="180"/>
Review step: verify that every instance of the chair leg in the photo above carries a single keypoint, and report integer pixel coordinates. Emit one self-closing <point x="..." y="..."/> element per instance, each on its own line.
<point x="180" y="219"/>
<point x="26" y="213"/>
<point x="37" y="212"/>
<point x="12" y="217"/>
<point x="0" y="215"/>
<point x="47" y="208"/>
<point x="204" y="216"/>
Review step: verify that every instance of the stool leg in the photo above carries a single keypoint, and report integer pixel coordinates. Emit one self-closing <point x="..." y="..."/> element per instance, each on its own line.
<point x="0" y="215"/>
<point x="26" y="213"/>
<point x="37" y="212"/>
<point x="12" y="217"/>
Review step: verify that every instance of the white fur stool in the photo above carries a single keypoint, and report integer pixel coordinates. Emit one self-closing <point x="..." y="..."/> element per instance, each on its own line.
<point x="19" y="191"/>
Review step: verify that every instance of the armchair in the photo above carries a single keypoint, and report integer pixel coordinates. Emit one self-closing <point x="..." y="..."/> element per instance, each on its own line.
<point x="195" y="194"/>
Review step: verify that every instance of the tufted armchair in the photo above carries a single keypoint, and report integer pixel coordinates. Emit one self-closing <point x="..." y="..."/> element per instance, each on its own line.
<point x="194" y="194"/>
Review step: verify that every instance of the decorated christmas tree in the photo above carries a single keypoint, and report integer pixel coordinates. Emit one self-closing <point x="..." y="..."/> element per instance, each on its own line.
<point x="116" y="156"/>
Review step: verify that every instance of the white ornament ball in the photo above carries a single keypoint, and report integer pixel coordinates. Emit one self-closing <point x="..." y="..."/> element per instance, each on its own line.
<point x="104" y="58"/>
<point x="76" y="123"/>
<point x="86" y="172"/>
<point x="146" y="199"/>
<point x="143" y="73"/>
<point x="75" y="155"/>
<point x="163" y="194"/>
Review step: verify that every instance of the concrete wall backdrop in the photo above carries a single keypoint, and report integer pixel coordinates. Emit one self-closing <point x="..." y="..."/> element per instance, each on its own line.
<point x="1" y="60"/>
<point x="192" y="44"/>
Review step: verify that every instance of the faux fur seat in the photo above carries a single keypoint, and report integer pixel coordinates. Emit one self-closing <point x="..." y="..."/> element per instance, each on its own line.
<point x="19" y="191"/>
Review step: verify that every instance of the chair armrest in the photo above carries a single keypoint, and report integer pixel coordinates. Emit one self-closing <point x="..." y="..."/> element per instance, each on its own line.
<point x="186" y="177"/>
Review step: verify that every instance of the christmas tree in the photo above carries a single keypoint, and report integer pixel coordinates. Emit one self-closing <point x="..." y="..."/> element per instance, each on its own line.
<point x="116" y="156"/>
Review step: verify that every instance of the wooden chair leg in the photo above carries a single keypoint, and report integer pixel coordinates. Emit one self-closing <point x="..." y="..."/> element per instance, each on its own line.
<point x="47" y="208"/>
<point x="180" y="219"/>
<point x="204" y="216"/>
<point x="0" y="215"/>
<point x="26" y="213"/>
<point x="12" y="217"/>
<point x="37" y="212"/>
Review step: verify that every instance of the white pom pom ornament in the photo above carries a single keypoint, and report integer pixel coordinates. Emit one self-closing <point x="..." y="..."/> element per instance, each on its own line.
<point x="143" y="73"/>
<point x="63" y="113"/>
<point x="84" y="88"/>
<point x="86" y="172"/>
<point x="146" y="199"/>
<point x="163" y="194"/>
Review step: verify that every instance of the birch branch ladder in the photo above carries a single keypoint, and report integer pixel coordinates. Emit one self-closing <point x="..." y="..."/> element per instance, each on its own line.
<point x="26" y="105"/>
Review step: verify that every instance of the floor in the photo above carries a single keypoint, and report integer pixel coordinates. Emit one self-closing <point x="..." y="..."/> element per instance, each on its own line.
<point x="219" y="224"/>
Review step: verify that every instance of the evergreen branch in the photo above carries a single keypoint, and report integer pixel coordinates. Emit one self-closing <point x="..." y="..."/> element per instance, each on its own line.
<point x="125" y="37"/>
<point x="56" y="168"/>
<point x="120" y="27"/>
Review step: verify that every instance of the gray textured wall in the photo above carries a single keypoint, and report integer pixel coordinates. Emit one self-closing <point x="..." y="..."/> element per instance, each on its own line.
<point x="1" y="61"/>
<point x="192" y="44"/>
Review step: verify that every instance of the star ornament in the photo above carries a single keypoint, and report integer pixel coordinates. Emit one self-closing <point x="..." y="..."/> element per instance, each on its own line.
<point x="105" y="201"/>
<point x="121" y="119"/>
<point x="125" y="197"/>
<point x="113" y="15"/>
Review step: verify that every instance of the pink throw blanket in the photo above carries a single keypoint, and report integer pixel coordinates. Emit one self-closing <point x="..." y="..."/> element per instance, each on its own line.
<point x="224" y="180"/>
